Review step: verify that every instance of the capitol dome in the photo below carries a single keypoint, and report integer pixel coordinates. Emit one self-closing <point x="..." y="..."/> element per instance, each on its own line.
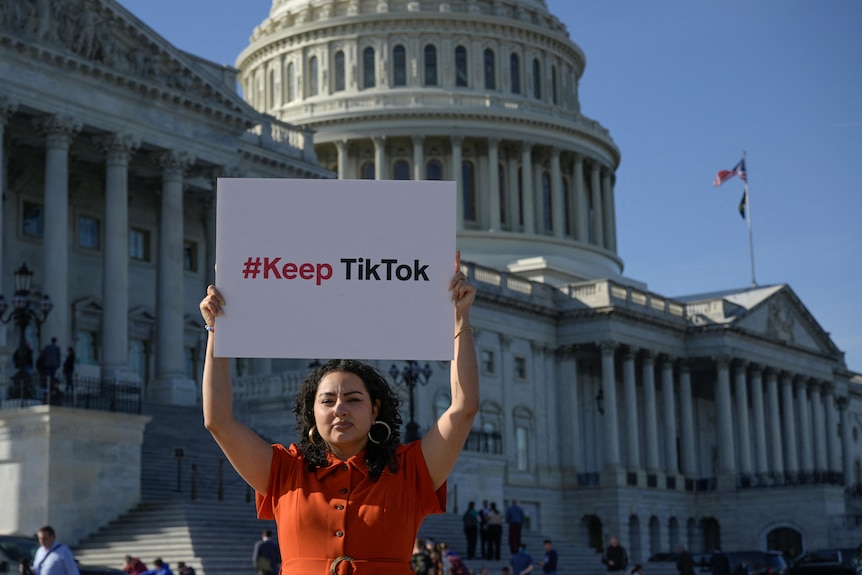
<point x="483" y="92"/>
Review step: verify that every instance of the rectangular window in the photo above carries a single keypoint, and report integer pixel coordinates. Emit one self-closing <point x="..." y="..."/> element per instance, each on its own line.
<point x="89" y="233"/>
<point x="520" y="368"/>
<point x="521" y="448"/>
<point x="487" y="361"/>
<point x="139" y="244"/>
<point x="86" y="348"/>
<point x="190" y="256"/>
<point x="33" y="219"/>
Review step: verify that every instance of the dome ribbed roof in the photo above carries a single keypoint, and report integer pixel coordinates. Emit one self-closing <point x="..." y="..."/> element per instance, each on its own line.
<point x="288" y="6"/>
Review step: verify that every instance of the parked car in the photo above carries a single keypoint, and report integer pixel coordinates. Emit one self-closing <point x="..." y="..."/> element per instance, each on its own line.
<point x="759" y="562"/>
<point x="662" y="557"/>
<point x="824" y="562"/>
<point x="14" y="549"/>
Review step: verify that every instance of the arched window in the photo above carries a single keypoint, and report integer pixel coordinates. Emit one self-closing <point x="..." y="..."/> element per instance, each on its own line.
<point x="368" y="77"/>
<point x="339" y="71"/>
<point x="460" y="66"/>
<point x="554" y="84"/>
<point x="399" y="66"/>
<point x="546" y="202"/>
<point x="368" y="171"/>
<point x="312" y="76"/>
<point x="468" y="186"/>
<point x="430" y="65"/>
<point x="490" y="78"/>
<point x="537" y="79"/>
<point x="401" y="170"/>
<point x="515" y="73"/>
<point x="291" y="83"/>
<point x="434" y="170"/>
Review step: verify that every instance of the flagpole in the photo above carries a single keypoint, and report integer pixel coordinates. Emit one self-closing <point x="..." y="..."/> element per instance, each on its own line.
<point x="748" y="219"/>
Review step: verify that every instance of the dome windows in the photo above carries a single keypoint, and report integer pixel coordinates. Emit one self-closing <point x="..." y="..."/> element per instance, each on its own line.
<point x="430" y="65"/>
<point x="399" y="66"/>
<point x="490" y="65"/>
<point x="461" y="66"/>
<point x="368" y="76"/>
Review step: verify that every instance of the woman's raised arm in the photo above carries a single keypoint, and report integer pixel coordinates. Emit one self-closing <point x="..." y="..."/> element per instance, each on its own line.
<point x="443" y="443"/>
<point x="249" y="454"/>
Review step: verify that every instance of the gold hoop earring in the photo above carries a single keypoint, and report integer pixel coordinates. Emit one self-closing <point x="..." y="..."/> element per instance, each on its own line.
<point x="311" y="436"/>
<point x="388" y="432"/>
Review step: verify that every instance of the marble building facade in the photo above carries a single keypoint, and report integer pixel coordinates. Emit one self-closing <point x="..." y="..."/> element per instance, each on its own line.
<point x="725" y="418"/>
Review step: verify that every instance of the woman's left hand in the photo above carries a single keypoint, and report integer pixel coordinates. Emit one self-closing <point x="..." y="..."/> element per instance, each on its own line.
<point x="463" y="293"/>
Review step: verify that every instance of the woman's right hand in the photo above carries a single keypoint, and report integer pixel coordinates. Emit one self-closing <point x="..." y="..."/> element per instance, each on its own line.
<point x="211" y="306"/>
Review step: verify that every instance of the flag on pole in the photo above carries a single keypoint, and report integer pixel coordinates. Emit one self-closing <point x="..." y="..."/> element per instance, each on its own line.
<point x="724" y="175"/>
<point x="742" y="203"/>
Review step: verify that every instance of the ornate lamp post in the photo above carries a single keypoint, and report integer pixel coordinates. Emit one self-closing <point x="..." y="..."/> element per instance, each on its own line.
<point x="24" y="312"/>
<point x="409" y="376"/>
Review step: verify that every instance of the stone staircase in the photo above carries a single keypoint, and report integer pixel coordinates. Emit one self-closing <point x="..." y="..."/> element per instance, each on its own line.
<point x="196" y="509"/>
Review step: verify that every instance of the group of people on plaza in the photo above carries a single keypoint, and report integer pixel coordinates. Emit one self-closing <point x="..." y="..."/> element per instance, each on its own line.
<point x="432" y="558"/>
<point x="134" y="566"/>
<point x="485" y="526"/>
<point x="47" y="365"/>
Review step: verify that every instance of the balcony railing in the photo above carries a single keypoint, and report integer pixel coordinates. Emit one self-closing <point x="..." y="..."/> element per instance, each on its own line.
<point x="84" y="393"/>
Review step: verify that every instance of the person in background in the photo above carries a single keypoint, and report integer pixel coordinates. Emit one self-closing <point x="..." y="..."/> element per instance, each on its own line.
<point x="183" y="569"/>
<point x="266" y="558"/>
<point x="515" y="520"/>
<point x="615" y="557"/>
<point x="161" y="568"/>
<point x="549" y="561"/>
<point x="684" y="562"/>
<point x="521" y="562"/>
<point x="133" y="565"/>
<point x="69" y="371"/>
<point x="421" y="559"/>
<point x="471" y="529"/>
<point x="495" y="532"/>
<point x="52" y="557"/>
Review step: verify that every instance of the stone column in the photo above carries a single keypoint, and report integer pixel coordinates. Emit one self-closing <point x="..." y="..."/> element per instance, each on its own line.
<point x="511" y="192"/>
<point x="171" y="385"/>
<point x="777" y="456"/>
<point x="650" y="413"/>
<point x="686" y="417"/>
<point x="115" y="263"/>
<point x="611" y="418"/>
<point x="557" y="203"/>
<point x="832" y="443"/>
<point x="59" y="132"/>
<point x="569" y="371"/>
<point x="341" y="146"/>
<point x="788" y="418"/>
<point x="803" y="407"/>
<point x="846" y="441"/>
<point x="598" y="209"/>
<point x="456" y="174"/>
<point x="633" y="459"/>
<point x="7" y="108"/>
<point x="582" y="210"/>
<point x="724" y="417"/>
<point x="418" y="157"/>
<point x="761" y="465"/>
<point x="380" y="171"/>
<point x="494" y="183"/>
<point x="818" y="422"/>
<point x="609" y="212"/>
<point x="742" y="426"/>
<point x="529" y="202"/>
<point x="669" y="412"/>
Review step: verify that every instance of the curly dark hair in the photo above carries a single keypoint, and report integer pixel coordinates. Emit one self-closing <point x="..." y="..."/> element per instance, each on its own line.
<point x="377" y="455"/>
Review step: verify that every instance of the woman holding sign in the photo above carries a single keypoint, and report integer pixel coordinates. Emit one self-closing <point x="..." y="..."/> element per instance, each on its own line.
<point x="349" y="499"/>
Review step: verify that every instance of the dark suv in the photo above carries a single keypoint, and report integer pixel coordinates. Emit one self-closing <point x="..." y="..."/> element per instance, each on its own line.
<point x="759" y="562"/>
<point x="824" y="562"/>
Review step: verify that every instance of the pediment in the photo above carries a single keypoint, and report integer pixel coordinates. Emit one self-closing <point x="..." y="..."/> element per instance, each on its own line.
<point x="783" y="317"/>
<point x="103" y="39"/>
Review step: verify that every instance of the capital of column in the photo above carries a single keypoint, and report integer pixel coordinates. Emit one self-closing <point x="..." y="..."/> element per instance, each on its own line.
<point x="740" y="366"/>
<point x="457" y="140"/>
<point x="565" y="351"/>
<point x="649" y="356"/>
<point x="609" y="346"/>
<point x="58" y="130"/>
<point x="8" y="106"/>
<point x="417" y="140"/>
<point x="174" y="163"/>
<point x="118" y="147"/>
<point x="505" y="341"/>
<point x="378" y="141"/>
<point x="723" y="361"/>
<point x="801" y="382"/>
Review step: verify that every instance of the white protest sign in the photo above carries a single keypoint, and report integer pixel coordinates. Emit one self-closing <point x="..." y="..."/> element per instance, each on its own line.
<point x="335" y="268"/>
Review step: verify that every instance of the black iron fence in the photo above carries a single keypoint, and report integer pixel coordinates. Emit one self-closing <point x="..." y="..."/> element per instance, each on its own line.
<point x="82" y="392"/>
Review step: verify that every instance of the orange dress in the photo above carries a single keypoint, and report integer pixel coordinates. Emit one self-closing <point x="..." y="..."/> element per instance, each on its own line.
<point x="337" y="512"/>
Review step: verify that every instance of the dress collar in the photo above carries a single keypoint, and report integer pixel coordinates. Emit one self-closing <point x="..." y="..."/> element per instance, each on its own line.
<point x="356" y="462"/>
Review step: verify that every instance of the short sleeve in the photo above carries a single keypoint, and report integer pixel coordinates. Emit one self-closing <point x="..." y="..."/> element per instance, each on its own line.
<point x="284" y="462"/>
<point x="430" y="501"/>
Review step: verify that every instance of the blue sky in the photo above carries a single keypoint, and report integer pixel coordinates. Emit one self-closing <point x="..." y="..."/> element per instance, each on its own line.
<point x="684" y="88"/>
